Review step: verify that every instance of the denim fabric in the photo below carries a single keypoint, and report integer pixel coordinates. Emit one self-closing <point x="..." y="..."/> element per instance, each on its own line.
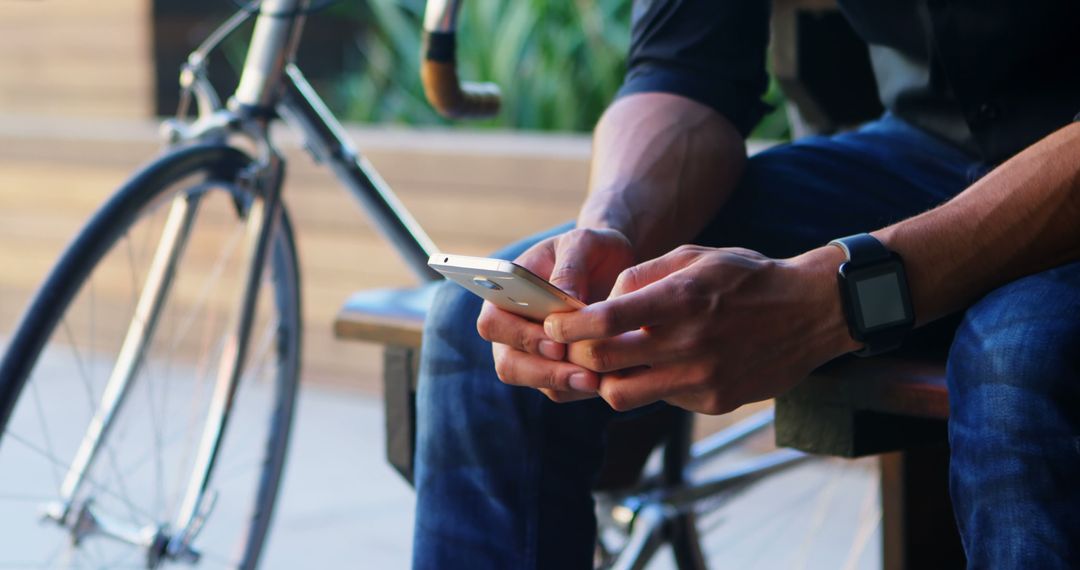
<point x="503" y="475"/>
<point x="1014" y="427"/>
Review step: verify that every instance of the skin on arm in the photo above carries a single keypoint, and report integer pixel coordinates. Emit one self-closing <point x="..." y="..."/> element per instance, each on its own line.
<point x="662" y="166"/>
<point x="1021" y="218"/>
<point x="711" y="329"/>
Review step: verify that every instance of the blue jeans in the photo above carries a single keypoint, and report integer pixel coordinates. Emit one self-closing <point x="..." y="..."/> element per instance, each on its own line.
<point x="503" y="475"/>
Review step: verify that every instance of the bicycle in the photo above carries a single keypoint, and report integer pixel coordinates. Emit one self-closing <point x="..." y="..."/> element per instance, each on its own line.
<point x="217" y="326"/>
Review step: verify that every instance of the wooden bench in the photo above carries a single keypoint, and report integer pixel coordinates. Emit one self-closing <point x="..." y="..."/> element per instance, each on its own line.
<point x="892" y="405"/>
<point x="393" y="318"/>
<point x="896" y="406"/>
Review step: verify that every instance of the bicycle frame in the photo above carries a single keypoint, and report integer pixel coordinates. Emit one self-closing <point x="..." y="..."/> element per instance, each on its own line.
<point x="295" y="99"/>
<point x="271" y="81"/>
<point x="270" y="85"/>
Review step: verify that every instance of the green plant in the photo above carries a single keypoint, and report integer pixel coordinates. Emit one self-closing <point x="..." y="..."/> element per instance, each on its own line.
<point x="559" y="62"/>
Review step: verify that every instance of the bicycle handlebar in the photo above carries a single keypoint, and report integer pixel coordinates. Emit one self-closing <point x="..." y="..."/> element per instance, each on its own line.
<point x="450" y="96"/>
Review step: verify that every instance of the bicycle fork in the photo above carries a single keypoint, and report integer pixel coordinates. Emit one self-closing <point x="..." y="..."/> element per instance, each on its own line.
<point x="262" y="225"/>
<point x="262" y="215"/>
<point x="80" y="518"/>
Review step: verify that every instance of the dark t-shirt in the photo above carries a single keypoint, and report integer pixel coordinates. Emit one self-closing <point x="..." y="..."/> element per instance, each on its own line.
<point x="990" y="76"/>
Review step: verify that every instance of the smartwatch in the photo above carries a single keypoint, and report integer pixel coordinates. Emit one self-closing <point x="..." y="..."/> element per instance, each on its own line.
<point x="874" y="294"/>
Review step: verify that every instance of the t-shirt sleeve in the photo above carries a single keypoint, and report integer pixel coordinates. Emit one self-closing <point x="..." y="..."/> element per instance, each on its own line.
<point x="711" y="51"/>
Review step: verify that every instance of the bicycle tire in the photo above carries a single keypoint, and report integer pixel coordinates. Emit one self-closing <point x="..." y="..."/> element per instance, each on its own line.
<point x="215" y="170"/>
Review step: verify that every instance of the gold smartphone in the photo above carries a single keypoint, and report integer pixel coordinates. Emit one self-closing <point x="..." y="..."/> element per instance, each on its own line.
<point x="509" y="286"/>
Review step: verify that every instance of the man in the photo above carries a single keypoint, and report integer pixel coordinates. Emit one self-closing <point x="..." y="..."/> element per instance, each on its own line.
<point x="972" y="177"/>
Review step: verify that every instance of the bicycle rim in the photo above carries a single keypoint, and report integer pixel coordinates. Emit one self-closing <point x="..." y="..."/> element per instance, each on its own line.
<point x="54" y="375"/>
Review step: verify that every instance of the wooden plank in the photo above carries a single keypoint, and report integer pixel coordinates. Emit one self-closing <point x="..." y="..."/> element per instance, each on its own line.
<point x="855" y="407"/>
<point x="888" y="384"/>
<point x="385" y="316"/>
<point x="72" y="57"/>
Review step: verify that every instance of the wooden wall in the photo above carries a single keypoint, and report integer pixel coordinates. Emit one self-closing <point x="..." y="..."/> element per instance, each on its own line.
<point x="75" y="58"/>
<point x="472" y="192"/>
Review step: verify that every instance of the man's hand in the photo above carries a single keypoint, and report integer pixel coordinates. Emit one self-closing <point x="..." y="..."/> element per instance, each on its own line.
<point x="584" y="263"/>
<point x="709" y="329"/>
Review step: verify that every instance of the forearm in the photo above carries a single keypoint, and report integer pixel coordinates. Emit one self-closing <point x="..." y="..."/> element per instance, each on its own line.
<point x="1022" y="218"/>
<point x="662" y="167"/>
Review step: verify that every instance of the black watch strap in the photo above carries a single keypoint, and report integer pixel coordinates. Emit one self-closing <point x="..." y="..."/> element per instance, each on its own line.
<point x="883" y="342"/>
<point x="861" y="250"/>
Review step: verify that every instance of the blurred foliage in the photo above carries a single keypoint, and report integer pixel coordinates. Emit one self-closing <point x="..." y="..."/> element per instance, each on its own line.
<point x="558" y="62"/>
<point x="774" y="125"/>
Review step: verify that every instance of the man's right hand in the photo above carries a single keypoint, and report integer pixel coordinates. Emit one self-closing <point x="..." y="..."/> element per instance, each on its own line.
<point x="585" y="264"/>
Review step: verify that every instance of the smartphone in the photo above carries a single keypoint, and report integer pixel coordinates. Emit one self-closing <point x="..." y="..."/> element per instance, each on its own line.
<point x="508" y="285"/>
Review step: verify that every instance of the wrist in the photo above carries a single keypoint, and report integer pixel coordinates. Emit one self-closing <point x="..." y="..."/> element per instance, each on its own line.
<point x="817" y="270"/>
<point x="605" y="216"/>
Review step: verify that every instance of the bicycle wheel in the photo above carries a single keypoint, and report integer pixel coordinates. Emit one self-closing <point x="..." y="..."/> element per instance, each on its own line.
<point x="54" y="374"/>
<point x="743" y="503"/>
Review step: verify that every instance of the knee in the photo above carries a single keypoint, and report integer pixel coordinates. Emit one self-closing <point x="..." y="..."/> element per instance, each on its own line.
<point x="1018" y="350"/>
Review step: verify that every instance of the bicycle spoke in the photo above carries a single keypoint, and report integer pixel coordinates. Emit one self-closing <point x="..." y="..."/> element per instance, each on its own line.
<point x="222" y="559"/>
<point x="215" y="274"/>
<point x="57" y="476"/>
<point x="80" y="365"/>
<point x="120" y="562"/>
<point x="135" y="286"/>
<point x="156" y="431"/>
<point x="126" y="498"/>
<point x="98" y="555"/>
<point x="55" y="554"/>
<point x="869" y="522"/>
<point x="26" y="499"/>
<point x="817" y="521"/>
<point x="193" y="435"/>
<point x="239" y="467"/>
<point x="265" y="343"/>
<point x="93" y="311"/>
<point x="93" y="482"/>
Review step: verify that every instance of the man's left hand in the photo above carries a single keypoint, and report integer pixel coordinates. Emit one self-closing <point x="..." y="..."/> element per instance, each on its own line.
<point x="709" y="329"/>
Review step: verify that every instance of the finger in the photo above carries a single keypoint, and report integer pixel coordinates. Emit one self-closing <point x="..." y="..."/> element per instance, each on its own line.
<point x="523" y="369"/>
<point x="643" y="274"/>
<point x="627" y="350"/>
<point x="562" y="397"/>
<point x="703" y="403"/>
<point x="674" y="384"/>
<point x="571" y="270"/>
<point x="626" y="391"/>
<point x="654" y="304"/>
<point x="502" y="327"/>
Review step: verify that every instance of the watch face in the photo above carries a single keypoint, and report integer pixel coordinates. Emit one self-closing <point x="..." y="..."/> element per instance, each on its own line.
<point x="878" y="298"/>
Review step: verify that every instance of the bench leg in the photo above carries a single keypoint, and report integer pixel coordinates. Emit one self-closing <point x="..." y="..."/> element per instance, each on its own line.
<point x="919" y="529"/>
<point x="399" y="399"/>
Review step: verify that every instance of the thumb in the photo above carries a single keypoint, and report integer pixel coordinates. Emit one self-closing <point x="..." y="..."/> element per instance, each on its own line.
<point x="571" y="272"/>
